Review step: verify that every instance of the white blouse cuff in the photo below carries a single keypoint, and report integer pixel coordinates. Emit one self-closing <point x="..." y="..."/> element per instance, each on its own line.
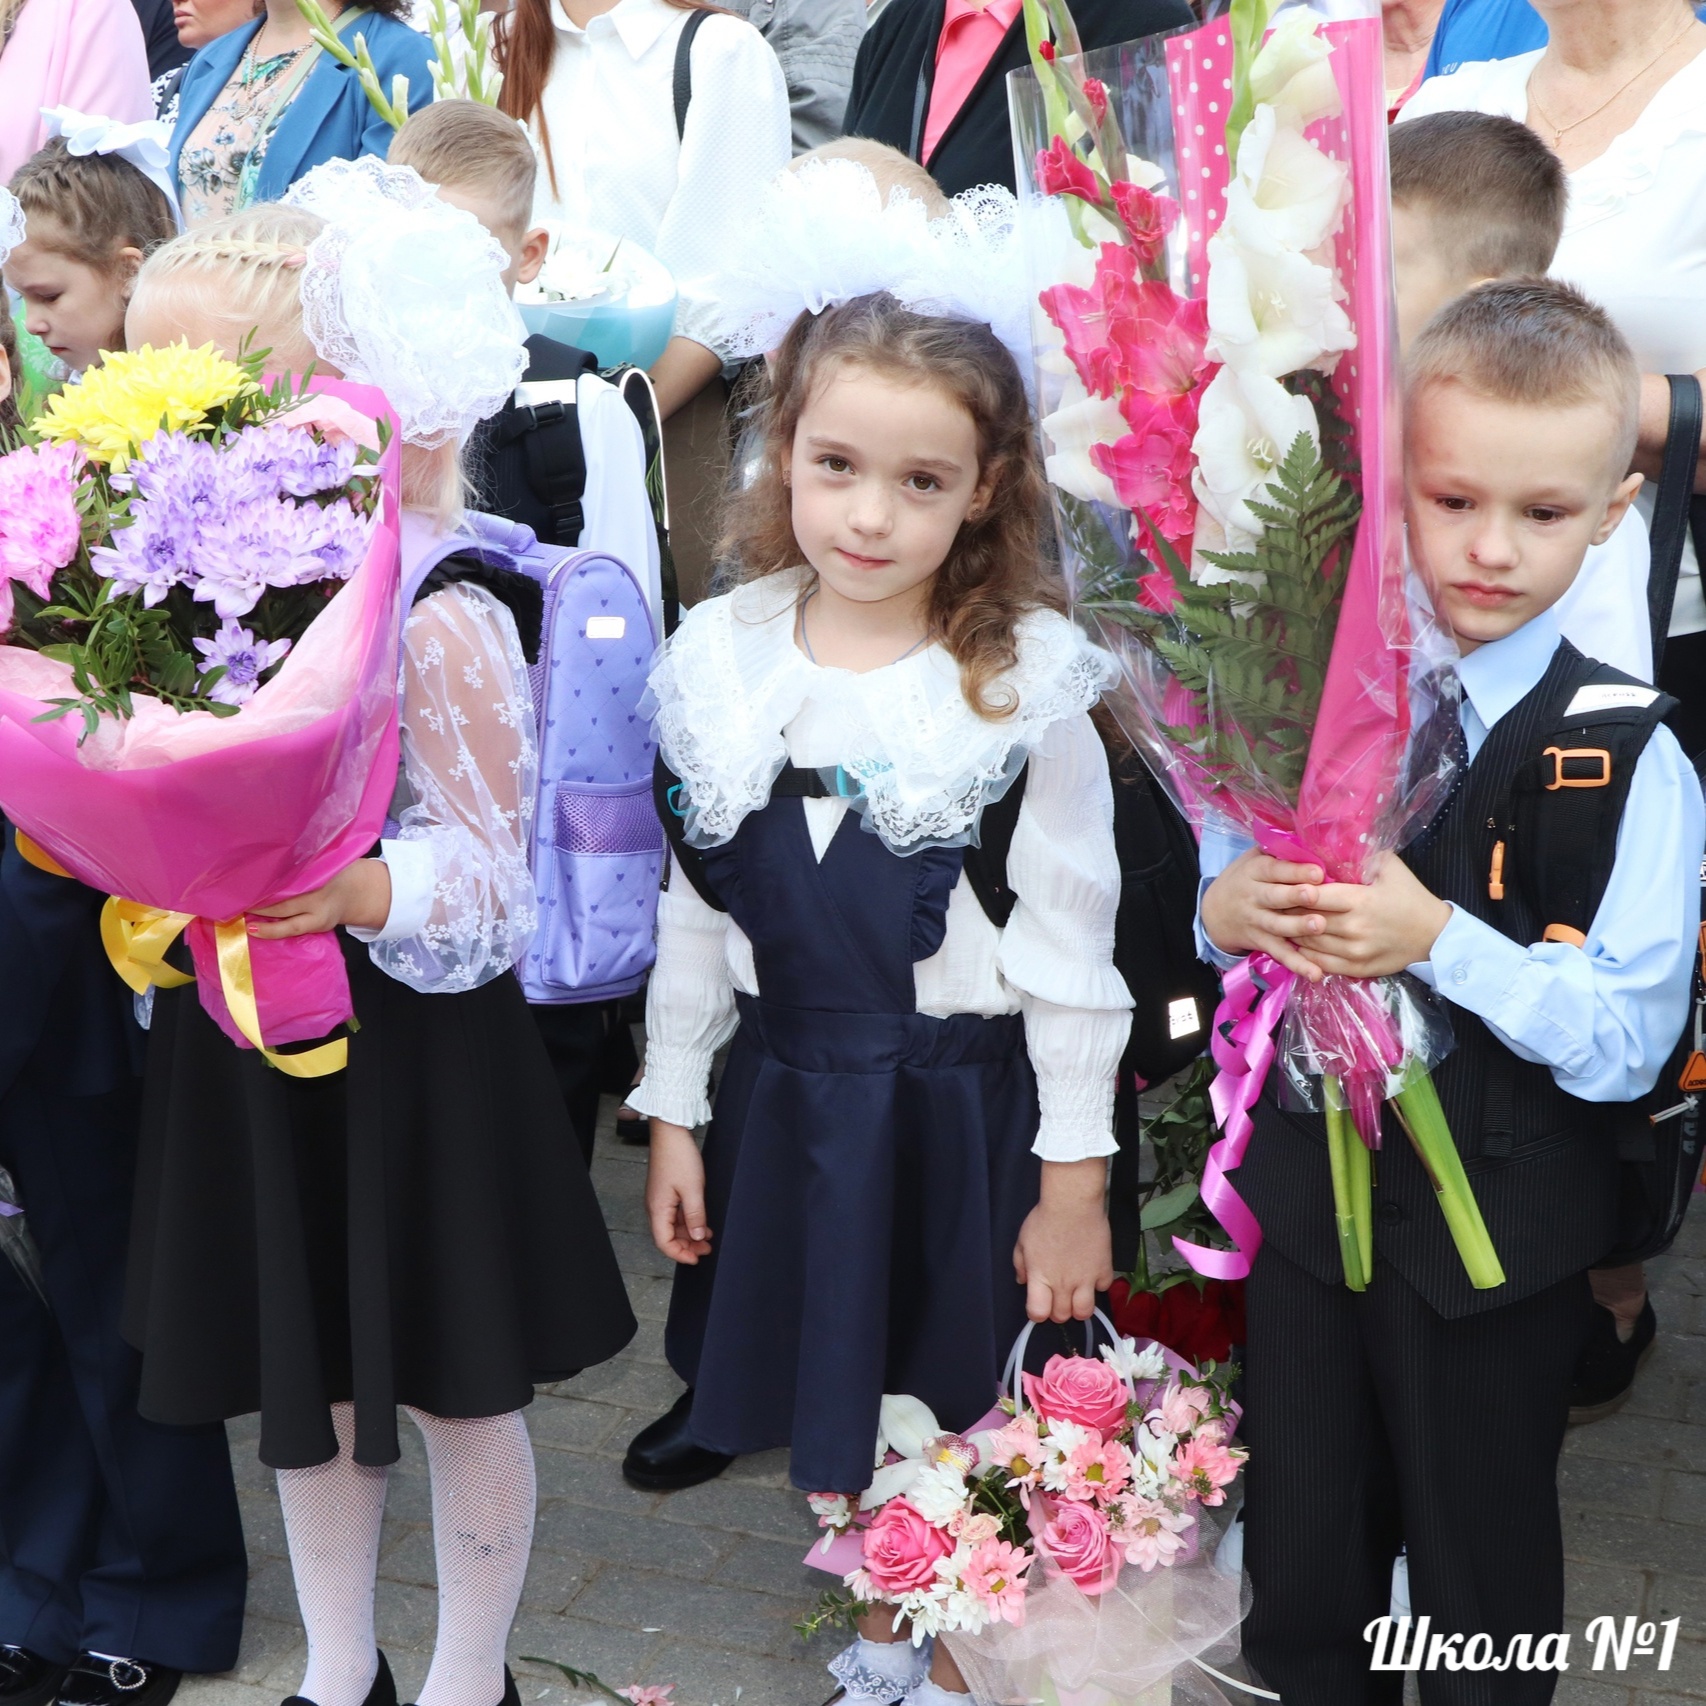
<point x="1077" y="1118"/>
<point x="699" y="318"/>
<point x="675" y="1086"/>
<point x="413" y="878"/>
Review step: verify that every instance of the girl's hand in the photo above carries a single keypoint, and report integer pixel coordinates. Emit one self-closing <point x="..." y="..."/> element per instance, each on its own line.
<point x="1262" y="903"/>
<point x="1377" y="928"/>
<point x="360" y="894"/>
<point x="675" y="1194"/>
<point x="1065" y="1253"/>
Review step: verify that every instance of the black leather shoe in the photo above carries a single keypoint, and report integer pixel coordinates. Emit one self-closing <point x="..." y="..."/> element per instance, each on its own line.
<point x="382" y="1693"/>
<point x="1605" y="1373"/>
<point x="26" y="1678"/>
<point x="662" y="1459"/>
<point x="117" y="1682"/>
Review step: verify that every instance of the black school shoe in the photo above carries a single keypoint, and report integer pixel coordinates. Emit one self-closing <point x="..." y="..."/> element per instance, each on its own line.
<point x="663" y="1459"/>
<point x="382" y="1693"/>
<point x="26" y="1678"/>
<point x="117" y="1682"/>
<point x="1605" y="1373"/>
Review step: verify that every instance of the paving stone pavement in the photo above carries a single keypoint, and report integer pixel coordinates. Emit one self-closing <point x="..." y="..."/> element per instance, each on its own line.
<point x="701" y="1588"/>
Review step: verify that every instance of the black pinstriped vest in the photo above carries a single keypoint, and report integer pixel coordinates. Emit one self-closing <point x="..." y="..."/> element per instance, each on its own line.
<point x="1543" y="1164"/>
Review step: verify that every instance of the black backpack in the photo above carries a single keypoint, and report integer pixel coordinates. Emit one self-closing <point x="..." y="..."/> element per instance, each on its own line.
<point x="1173" y="992"/>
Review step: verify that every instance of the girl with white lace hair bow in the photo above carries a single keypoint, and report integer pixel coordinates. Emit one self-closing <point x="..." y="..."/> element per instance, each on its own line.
<point x="907" y="1149"/>
<point x="418" y="1230"/>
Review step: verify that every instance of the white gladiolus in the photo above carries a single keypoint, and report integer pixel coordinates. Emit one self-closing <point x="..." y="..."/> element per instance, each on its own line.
<point x="1080" y="422"/>
<point x="1272" y="312"/>
<point x="1287" y="194"/>
<point x="1247" y="424"/>
<point x="1292" y="71"/>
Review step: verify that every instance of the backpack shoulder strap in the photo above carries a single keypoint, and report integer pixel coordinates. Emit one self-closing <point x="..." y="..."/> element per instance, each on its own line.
<point x="986" y="860"/>
<point x="1567" y="798"/>
<point x="1672" y="506"/>
<point x="689" y="861"/>
<point x="635" y="385"/>
<point x="684" y="70"/>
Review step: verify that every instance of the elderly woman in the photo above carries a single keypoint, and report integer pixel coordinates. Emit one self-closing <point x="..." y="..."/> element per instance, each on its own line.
<point x="1407" y="29"/>
<point x="264" y="104"/>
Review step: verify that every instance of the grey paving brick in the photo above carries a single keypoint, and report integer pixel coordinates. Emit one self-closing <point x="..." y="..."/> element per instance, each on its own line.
<point x="648" y="1386"/>
<point x="405" y="1614"/>
<point x="698" y="1611"/>
<point x="272" y="1652"/>
<point x="1599" y="1537"/>
<point x="767" y="1468"/>
<point x="637" y="1254"/>
<point x="1594" y="1589"/>
<point x="1589" y="1691"/>
<point x="573" y="1422"/>
<point x="706" y="1674"/>
<point x="1679" y="1596"/>
<point x="615" y="1655"/>
<point x="1683" y="1499"/>
<point x="1597" y="1483"/>
<point x="553" y="1580"/>
<point x="772" y="1512"/>
<point x="1641" y="1439"/>
<point x="585" y="1479"/>
<point x="649" y="1295"/>
<point x="407" y="1555"/>
<point x="263" y="1525"/>
<point x="644" y="1542"/>
<point x="774" y="1566"/>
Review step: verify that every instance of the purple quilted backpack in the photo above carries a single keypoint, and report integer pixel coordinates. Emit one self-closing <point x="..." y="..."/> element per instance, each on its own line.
<point x="597" y="844"/>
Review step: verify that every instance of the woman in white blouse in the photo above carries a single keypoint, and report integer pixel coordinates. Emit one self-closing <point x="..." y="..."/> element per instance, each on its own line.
<point x="594" y="80"/>
<point x="1619" y="93"/>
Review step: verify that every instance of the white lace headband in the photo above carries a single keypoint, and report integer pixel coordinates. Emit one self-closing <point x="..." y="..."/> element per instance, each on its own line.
<point x="824" y="234"/>
<point x="11" y="228"/>
<point x="147" y="146"/>
<point x="405" y="292"/>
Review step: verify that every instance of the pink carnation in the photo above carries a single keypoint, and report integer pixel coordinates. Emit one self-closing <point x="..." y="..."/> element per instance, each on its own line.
<point x="995" y="1577"/>
<point x="1077" y="1540"/>
<point x="901" y="1549"/>
<point x="1182" y="1408"/>
<point x="1098" y="1469"/>
<point x="1206" y="1468"/>
<point x="1018" y="1450"/>
<point x="39" y="526"/>
<point x="1078" y="1389"/>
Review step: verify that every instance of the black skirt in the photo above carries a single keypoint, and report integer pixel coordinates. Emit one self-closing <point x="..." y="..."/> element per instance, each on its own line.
<point x="418" y="1229"/>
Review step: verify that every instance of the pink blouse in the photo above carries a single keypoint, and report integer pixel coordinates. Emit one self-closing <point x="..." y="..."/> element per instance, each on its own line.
<point x="85" y="54"/>
<point x="971" y="36"/>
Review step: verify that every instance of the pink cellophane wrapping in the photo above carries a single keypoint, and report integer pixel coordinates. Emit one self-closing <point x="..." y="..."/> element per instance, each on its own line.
<point x="214" y="816"/>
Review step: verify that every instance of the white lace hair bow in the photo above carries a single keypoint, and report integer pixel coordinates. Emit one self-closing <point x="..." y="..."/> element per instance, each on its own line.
<point x="405" y="292"/>
<point x="823" y="234"/>
<point x="147" y="145"/>
<point x="11" y="226"/>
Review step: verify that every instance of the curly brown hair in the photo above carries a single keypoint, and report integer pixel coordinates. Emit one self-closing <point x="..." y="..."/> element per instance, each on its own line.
<point x="994" y="572"/>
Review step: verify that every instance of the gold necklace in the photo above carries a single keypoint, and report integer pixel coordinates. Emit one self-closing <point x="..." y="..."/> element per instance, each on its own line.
<point x="1560" y="131"/>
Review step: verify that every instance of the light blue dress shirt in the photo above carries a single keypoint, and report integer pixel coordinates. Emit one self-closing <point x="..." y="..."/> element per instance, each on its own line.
<point x="1603" y="1016"/>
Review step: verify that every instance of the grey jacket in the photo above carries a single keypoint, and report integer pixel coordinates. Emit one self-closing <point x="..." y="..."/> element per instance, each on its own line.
<point x="816" y="41"/>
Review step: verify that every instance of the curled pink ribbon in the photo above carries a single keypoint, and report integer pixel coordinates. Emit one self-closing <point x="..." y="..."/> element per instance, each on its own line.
<point x="1243" y="1047"/>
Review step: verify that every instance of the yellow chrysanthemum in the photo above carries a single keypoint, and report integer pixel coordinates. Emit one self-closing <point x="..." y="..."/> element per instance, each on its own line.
<point x="131" y="396"/>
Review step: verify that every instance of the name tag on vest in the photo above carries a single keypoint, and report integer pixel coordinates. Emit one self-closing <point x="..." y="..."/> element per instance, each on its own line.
<point x="1609" y="696"/>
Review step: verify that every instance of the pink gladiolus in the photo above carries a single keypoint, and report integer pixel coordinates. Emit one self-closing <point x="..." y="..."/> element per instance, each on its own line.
<point x="1151" y="470"/>
<point x="1078" y="1389"/>
<point x="1206" y="1468"/>
<point x="1096" y="93"/>
<point x="901" y="1549"/>
<point x="1077" y="1540"/>
<point x="995" y="1577"/>
<point x="1158" y="591"/>
<point x="656" y="1695"/>
<point x="1018" y="1450"/>
<point x="1148" y="217"/>
<point x="39" y="526"/>
<point x="1061" y="172"/>
<point x="1150" y="1532"/>
<point x="1098" y="1470"/>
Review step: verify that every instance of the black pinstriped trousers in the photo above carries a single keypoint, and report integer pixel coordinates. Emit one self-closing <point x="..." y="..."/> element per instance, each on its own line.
<point x="1372" y="1420"/>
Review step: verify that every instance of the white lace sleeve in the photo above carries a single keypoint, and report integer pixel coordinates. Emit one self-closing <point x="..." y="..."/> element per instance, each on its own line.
<point x="472" y="772"/>
<point x="690" y="1007"/>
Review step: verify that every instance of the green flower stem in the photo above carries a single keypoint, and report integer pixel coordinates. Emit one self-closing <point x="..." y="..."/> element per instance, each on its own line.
<point x="1341" y="1140"/>
<point x="1362" y="1200"/>
<point x="1423" y="1119"/>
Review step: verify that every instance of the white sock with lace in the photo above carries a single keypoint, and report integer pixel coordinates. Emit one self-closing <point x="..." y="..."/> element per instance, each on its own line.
<point x="483" y="1494"/>
<point x="332" y="1517"/>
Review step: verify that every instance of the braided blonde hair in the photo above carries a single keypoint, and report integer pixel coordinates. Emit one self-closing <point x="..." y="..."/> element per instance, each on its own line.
<point x="241" y="275"/>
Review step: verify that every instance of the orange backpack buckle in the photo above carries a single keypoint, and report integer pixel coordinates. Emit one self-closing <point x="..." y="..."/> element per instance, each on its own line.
<point x="1567" y="762"/>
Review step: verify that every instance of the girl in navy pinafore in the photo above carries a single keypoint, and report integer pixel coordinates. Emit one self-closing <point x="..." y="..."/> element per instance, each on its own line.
<point x="908" y="1085"/>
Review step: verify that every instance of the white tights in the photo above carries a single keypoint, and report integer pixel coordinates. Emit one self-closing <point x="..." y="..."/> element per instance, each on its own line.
<point x="483" y="1494"/>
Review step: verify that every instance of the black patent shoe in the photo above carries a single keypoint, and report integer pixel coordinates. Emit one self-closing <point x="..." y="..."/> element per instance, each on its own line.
<point x="382" y="1693"/>
<point x="26" y="1678"/>
<point x="663" y="1459"/>
<point x="117" y="1682"/>
<point x="1606" y="1370"/>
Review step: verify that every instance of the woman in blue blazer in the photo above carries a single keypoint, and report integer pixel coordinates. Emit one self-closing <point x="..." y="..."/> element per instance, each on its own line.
<point x="263" y="105"/>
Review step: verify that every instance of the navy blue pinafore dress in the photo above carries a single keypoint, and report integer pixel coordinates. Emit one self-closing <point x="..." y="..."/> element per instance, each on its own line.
<point x="868" y="1167"/>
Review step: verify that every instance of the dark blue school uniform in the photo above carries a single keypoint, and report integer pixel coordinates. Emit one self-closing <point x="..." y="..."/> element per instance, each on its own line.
<point x="868" y="1167"/>
<point x="117" y="1535"/>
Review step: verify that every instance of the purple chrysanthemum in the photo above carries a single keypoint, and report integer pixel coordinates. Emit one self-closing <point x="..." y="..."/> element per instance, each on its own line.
<point x="245" y="660"/>
<point x="292" y="461"/>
